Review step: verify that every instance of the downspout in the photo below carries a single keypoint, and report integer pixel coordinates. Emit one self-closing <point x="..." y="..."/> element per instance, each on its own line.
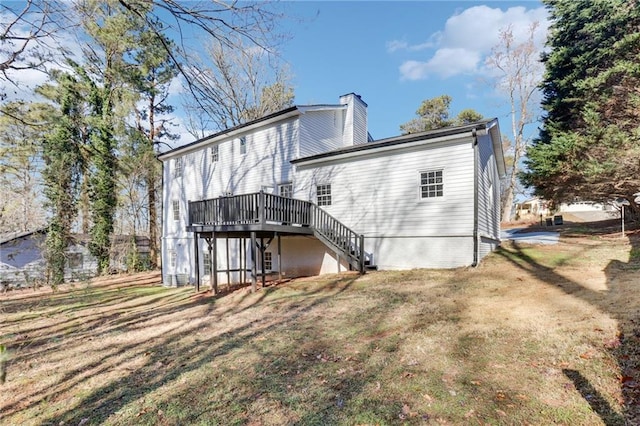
<point x="476" y="244"/>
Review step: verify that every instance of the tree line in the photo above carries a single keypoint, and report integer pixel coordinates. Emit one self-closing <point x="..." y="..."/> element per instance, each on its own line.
<point x="82" y="157"/>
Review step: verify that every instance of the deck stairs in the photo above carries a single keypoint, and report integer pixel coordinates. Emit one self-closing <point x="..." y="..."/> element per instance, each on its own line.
<point x="268" y="212"/>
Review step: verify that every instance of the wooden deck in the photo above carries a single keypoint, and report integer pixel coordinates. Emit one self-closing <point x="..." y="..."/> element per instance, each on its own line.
<point x="261" y="215"/>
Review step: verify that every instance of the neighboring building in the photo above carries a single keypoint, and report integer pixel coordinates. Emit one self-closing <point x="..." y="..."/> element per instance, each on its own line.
<point x="22" y="262"/>
<point x="533" y="207"/>
<point x="305" y="191"/>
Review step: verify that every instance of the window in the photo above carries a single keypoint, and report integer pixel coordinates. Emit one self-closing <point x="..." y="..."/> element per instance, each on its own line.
<point x="176" y="210"/>
<point x="285" y="189"/>
<point x="177" y="167"/>
<point x="215" y="153"/>
<point x="323" y="194"/>
<point x="74" y="260"/>
<point x="243" y="145"/>
<point x="206" y="262"/>
<point x="173" y="259"/>
<point x="268" y="260"/>
<point x="431" y="184"/>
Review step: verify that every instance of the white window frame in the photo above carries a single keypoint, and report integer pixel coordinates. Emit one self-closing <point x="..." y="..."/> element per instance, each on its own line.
<point x="206" y="262"/>
<point x="268" y="261"/>
<point x="323" y="194"/>
<point x="75" y="260"/>
<point x="175" y="208"/>
<point x="434" y="184"/>
<point x="285" y="189"/>
<point x="215" y="153"/>
<point x="177" y="167"/>
<point x="243" y="145"/>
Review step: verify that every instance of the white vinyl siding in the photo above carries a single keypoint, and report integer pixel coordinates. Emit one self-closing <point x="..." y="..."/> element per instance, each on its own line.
<point x="488" y="196"/>
<point x="376" y="195"/>
<point x="266" y="163"/>
<point x="321" y="131"/>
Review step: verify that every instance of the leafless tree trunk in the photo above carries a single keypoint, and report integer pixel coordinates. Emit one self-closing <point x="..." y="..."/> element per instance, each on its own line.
<point x="520" y="72"/>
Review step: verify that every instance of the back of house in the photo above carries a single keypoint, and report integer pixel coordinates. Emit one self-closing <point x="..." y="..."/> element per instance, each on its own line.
<point x="420" y="200"/>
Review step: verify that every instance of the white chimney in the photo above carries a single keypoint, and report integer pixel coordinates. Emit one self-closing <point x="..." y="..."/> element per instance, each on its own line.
<point x="355" y="120"/>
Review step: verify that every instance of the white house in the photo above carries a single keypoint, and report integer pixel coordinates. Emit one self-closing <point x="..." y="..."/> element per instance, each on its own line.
<point x="22" y="262"/>
<point x="305" y="191"/>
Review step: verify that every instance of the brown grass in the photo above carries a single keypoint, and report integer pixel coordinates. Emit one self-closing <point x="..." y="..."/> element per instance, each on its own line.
<point x="535" y="335"/>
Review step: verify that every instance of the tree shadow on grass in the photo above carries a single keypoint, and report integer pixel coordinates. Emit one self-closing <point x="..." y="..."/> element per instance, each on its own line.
<point x="169" y="356"/>
<point x="613" y="302"/>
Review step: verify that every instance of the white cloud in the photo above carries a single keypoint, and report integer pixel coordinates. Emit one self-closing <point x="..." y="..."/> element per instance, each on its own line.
<point x="467" y="39"/>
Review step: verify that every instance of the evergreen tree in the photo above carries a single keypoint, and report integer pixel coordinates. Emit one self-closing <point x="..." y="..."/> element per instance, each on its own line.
<point x="434" y="114"/>
<point x="61" y="173"/>
<point x="590" y="141"/>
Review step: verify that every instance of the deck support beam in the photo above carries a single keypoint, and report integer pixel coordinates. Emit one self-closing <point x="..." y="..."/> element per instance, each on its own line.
<point x="279" y="257"/>
<point x="254" y="271"/>
<point x="197" y="259"/>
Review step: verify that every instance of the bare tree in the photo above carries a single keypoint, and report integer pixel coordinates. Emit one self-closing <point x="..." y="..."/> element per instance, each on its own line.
<point x="240" y="85"/>
<point x="20" y="166"/>
<point x="28" y="34"/>
<point x="519" y="74"/>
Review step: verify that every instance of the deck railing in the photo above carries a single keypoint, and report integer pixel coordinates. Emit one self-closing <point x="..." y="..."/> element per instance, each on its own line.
<point x="261" y="208"/>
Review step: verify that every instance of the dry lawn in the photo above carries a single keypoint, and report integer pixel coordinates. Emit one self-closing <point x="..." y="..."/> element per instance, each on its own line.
<point x="536" y="335"/>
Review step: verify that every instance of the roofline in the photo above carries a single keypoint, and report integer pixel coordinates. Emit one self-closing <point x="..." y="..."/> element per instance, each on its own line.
<point x="22" y="235"/>
<point x="444" y="133"/>
<point x="276" y="116"/>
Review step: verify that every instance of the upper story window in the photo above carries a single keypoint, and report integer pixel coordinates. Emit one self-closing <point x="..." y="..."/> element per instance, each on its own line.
<point x="243" y="145"/>
<point x="177" y="167"/>
<point x="431" y="184"/>
<point x="176" y="210"/>
<point x="285" y="189"/>
<point x="215" y="153"/>
<point x="323" y="195"/>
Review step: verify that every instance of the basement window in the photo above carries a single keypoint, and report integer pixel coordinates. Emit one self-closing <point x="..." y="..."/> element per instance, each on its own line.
<point x="268" y="261"/>
<point x="173" y="259"/>
<point x="206" y="262"/>
<point x="431" y="184"/>
<point x="323" y="195"/>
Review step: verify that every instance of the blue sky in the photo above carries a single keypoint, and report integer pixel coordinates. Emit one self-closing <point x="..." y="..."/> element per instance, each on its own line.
<point x="396" y="54"/>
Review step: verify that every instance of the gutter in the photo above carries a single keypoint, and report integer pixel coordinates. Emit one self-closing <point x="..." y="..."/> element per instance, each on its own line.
<point x="476" y="242"/>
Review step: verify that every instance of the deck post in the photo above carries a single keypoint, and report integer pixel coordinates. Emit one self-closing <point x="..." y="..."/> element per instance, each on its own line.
<point x="214" y="264"/>
<point x="228" y="264"/>
<point x="197" y="259"/>
<point x="262" y="261"/>
<point x="279" y="257"/>
<point x="361" y="260"/>
<point x="261" y="206"/>
<point x="254" y="271"/>
<point x="243" y="262"/>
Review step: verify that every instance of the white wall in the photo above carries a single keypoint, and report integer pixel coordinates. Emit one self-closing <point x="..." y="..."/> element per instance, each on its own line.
<point x="265" y="165"/>
<point x="378" y="196"/>
<point x="488" y="196"/>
